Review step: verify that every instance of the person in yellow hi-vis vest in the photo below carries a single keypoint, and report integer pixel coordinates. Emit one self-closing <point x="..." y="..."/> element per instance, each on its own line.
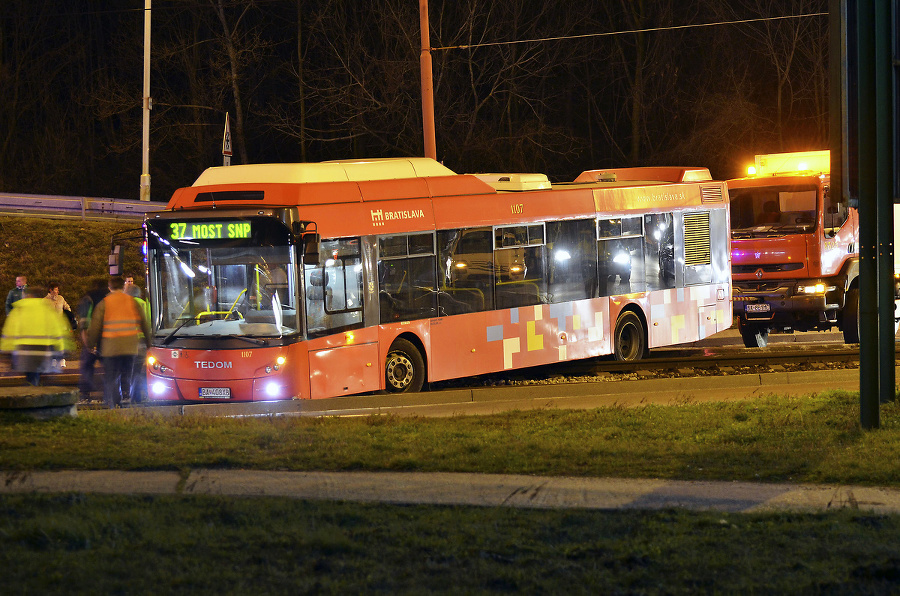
<point x="117" y="325"/>
<point x="37" y="336"/>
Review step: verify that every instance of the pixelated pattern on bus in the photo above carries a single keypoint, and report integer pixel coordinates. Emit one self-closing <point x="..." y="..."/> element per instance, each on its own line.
<point x="538" y="328"/>
<point x="675" y="314"/>
<point x="678" y="315"/>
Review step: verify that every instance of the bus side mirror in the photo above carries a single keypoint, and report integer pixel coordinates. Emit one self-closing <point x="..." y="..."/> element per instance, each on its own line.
<point x="310" y="244"/>
<point x="115" y="260"/>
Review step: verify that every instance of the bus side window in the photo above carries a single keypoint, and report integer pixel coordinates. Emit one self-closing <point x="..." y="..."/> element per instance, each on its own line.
<point x="572" y="260"/>
<point x="406" y="277"/>
<point x="334" y="288"/>
<point x="520" y="265"/>
<point x="620" y="255"/>
<point x="466" y="271"/>
<point x="659" y="248"/>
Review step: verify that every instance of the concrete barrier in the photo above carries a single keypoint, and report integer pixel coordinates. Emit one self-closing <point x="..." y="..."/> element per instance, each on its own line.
<point x="42" y="403"/>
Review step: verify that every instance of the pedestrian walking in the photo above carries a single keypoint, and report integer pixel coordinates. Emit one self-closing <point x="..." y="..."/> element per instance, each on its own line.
<point x="88" y="361"/>
<point x="139" y="378"/>
<point x="16" y="293"/>
<point x="62" y="307"/>
<point x="115" y="331"/>
<point x="36" y="335"/>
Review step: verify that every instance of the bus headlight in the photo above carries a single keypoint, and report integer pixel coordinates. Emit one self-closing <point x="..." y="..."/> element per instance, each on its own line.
<point x="273" y="389"/>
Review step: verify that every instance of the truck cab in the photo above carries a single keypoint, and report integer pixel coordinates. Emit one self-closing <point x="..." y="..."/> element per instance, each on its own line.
<point x="794" y="250"/>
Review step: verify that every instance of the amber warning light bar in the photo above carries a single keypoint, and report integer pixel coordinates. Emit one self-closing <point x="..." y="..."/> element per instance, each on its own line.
<point x="812" y="162"/>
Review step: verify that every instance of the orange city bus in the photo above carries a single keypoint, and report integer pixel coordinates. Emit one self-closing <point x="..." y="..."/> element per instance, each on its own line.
<point x="290" y="281"/>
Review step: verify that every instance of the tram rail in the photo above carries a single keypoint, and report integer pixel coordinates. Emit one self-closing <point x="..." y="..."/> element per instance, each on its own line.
<point x="682" y="363"/>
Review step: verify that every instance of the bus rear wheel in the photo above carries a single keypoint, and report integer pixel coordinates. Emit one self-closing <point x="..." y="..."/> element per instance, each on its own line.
<point x="629" y="339"/>
<point x="404" y="368"/>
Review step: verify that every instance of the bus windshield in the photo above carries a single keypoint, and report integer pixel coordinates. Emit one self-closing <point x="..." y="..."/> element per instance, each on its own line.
<point x="220" y="286"/>
<point x="785" y="209"/>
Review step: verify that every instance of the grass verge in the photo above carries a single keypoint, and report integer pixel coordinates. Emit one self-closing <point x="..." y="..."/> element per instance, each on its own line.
<point x="813" y="439"/>
<point x="208" y="545"/>
<point x="124" y="544"/>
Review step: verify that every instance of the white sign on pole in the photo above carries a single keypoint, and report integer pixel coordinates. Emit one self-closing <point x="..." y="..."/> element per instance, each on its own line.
<point x="226" y="143"/>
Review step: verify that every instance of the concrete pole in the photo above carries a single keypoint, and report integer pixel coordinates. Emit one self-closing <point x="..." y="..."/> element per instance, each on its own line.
<point x="427" y="83"/>
<point x="145" y="141"/>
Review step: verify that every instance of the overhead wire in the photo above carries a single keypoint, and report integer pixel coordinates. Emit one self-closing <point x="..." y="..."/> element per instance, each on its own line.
<point x="629" y="32"/>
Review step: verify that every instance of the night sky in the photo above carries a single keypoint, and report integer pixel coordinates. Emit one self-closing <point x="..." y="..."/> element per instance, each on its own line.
<point x="553" y="87"/>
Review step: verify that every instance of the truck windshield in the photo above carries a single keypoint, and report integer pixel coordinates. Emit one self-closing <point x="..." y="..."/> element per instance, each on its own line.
<point x="220" y="287"/>
<point x="786" y="209"/>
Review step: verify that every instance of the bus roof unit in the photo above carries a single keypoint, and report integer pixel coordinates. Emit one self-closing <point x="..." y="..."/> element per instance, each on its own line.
<point x="646" y="175"/>
<point x="328" y="171"/>
<point x="515" y="182"/>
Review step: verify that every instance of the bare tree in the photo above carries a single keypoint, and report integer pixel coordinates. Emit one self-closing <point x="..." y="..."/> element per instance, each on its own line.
<point x="785" y="43"/>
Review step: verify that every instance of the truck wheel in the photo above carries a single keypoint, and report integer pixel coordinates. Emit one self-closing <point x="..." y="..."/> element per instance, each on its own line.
<point x="404" y="369"/>
<point x="629" y="338"/>
<point x="850" y="317"/>
<point x="754" y="336"/>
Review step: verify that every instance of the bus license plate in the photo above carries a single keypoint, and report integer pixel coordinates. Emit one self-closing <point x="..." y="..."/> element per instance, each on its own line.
<point x="757" y="307"/>
<point x="216" y="392"/>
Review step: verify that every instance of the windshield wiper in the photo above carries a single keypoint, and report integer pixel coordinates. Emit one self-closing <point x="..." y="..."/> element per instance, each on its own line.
<point x="252" y="340"/>
<point x="176" y="330"/>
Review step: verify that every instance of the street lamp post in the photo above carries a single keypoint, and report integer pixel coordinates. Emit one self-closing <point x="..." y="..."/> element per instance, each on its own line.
<point x="148" y="104"/>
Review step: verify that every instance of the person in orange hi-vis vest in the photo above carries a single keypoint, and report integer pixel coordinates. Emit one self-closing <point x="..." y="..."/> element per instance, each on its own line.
<point x="118" y="329"/>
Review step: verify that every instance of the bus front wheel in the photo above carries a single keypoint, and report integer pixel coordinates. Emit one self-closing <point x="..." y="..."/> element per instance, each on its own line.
<point x="404" y="369"/>
<point x="629" y="339"/>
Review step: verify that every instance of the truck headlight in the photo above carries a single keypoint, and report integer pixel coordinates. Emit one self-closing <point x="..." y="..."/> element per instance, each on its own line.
<point x="818" y="288"/>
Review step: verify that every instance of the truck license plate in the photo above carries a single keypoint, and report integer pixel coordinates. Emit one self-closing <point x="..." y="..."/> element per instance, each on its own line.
<point x="216" y="392"/>
<point x="757" y="307"/>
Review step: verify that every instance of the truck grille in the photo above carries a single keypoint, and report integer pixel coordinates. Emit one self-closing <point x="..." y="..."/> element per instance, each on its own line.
<point x="770" y="268"/>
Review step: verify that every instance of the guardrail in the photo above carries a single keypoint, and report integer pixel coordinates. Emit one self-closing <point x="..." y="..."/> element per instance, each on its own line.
<point x="85" y="208"/>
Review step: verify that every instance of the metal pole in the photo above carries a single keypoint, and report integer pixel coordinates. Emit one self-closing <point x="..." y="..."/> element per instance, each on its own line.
<point x="885" y="199"/>
<point x="868" y="232"/>
<point x="427" y="83"/>
<point x="837" y="98"/>
<point x="145" y="140"/>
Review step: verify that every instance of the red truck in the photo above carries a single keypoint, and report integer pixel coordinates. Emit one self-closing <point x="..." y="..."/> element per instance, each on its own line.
<point x="794" y="249"/>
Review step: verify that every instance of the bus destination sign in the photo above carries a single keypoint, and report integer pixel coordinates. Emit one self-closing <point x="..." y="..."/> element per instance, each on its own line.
<point x="209" y="230"/>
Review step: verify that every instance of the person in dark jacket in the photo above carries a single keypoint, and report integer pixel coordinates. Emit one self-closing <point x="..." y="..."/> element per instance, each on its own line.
<point x="16" y="293"/>
<point x="85" y="310"/>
